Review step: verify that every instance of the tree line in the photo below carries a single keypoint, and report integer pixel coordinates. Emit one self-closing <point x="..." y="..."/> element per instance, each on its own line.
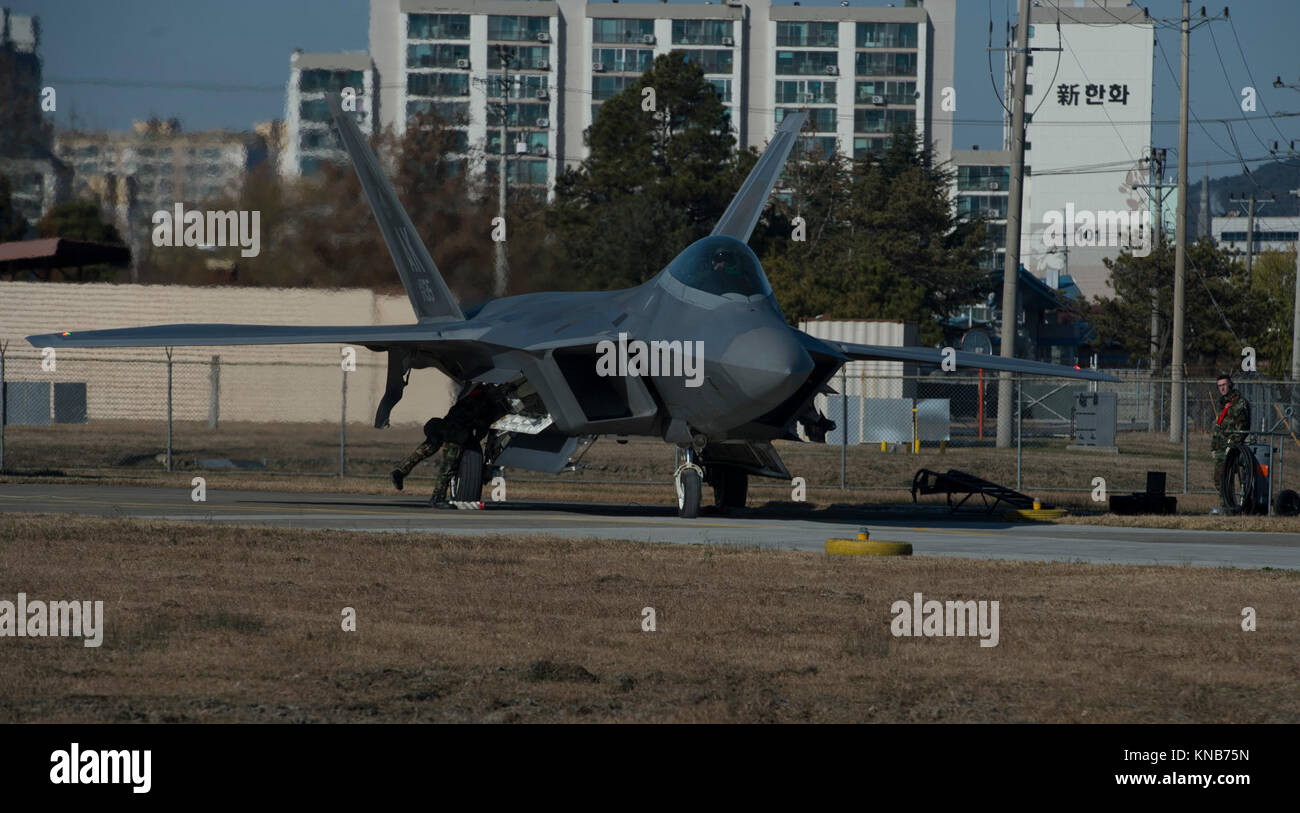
<point x="882" y="239"/>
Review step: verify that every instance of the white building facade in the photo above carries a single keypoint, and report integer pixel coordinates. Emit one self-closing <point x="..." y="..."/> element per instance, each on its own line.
<point x="859" y="71"/>
<point x="308" y="138"/>
<point x="1087" y="133"/>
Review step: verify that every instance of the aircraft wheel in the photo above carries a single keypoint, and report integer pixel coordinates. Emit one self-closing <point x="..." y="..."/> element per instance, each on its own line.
<point x="689" y="487"/>
<point x="468" y="486"/>
<point x="730" y="488"/>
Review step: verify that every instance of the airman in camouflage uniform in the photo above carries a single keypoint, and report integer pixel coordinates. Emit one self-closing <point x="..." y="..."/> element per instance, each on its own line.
<point x="466" y="423"/>
<point x="1233" y="414"/>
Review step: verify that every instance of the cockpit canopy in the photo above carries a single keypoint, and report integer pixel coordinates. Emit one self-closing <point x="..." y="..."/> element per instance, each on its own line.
<point x="720" y="265"/>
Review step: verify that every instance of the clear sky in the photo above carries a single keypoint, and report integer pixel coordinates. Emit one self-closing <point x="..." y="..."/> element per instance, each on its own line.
<point x="224" y="64"/>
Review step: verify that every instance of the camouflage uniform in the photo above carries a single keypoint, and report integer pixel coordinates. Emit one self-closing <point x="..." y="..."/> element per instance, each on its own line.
<point x="466" y="423"/>
<point x="1234" y="414"/>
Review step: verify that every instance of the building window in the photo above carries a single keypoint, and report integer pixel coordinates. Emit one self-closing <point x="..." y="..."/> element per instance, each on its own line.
<point x="993" y="207"/>
<point x="435" y="55"/>
<point x="323" y="81"/>
<point x="438" y="27"/>
<point x="449" y="112"/>
<point x="886" y="35"/>
<point x="520" y="170"/>
<point x="867" y="63"/>
<point x="820" y="119"/>
<point x="887" y="91"/>
<point x="437" y="84"/>
<point x="322" y="139"/>
<point x="518" y="115"/>
<point x="702" y="32"/>
<point x="710" y="61"/>
<point x="622" y="30"/>
<point x="517" y="29"/>
<point x="524" y="86"/>
<point x="990" y="178"/>
<point x="805" y="34"/>
<point x="535" y="142"/>
<point x="623" y="60"/>
<point x="882" y="121"/>
<point x="805" y="62"/>
<point x="866" y="147"/>
<point x="606" y="87"/>
<point x="314" y="110"/>
<point x="522" y="57"/>
<point x="824" y="144"/>
<point x="811" y="91"/>
<point x="722" y="87"/>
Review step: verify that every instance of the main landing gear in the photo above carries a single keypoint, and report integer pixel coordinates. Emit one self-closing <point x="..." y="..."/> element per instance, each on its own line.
<point x="730" y="486"/>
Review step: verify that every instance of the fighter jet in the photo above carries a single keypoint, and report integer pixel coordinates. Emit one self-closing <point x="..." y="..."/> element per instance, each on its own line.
<point x="700" y="355"/>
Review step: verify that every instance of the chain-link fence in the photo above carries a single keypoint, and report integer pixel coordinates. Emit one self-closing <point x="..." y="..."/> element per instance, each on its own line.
<point x="87" y="411"/>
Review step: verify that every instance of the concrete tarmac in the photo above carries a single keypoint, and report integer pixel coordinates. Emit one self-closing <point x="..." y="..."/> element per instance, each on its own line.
<point x="929" y="528"/>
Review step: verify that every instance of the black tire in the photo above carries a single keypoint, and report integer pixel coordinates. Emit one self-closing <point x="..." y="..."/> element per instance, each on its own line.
<point x="730" y="487"/>
<point x="1288" y="503"/>
<point x="1239" y="481"/>
<point x="688" y="499"/>
<point x="468" y="485"/>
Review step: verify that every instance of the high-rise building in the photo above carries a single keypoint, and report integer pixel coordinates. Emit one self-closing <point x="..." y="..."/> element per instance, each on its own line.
<point x="1087" y="133"/>
<point x="154" y="167"/>
<point x="37" y="180"/>
<point x="859" y="71"/>
<point x="308" y="139"/>
<point x="980" y="191"/>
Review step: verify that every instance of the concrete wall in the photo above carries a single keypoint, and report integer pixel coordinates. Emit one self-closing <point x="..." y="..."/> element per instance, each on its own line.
<point x="257" y="383"/>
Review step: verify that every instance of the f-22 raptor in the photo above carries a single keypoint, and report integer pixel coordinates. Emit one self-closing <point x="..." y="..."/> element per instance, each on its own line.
<point x="700" y="355"/>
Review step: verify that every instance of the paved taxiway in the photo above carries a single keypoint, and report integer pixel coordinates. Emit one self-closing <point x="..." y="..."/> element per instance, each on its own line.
<point x="931" y="532"/>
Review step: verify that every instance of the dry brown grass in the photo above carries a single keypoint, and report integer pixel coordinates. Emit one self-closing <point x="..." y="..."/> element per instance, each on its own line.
<point x="243" y="624"/>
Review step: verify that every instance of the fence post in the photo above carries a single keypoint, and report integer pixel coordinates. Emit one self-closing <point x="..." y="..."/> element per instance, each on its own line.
<point x="169" y="408"/>
<point x="343" y="422"/>
<point x="1185" y="416"/>
<point x="214" y="392"/>
<point x="844" y="421"/>
<point x="1020" y="386"/>
<point x="4" y="418"/>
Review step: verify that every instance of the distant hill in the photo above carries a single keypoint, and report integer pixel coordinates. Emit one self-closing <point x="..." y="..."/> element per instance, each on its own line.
<point x="1274" y="178"/>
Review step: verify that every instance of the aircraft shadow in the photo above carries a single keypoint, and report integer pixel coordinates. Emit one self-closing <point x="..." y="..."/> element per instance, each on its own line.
<point x="876" y="515"/>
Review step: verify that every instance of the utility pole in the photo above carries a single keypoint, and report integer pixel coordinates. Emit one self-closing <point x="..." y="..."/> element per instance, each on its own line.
<point x="1176" y="416"/>
<point x="1252" y="205"/>
<point x="1295" y="312"/>
<point x="1176" y="413"/>
<point x="1015" y="199"/>
<point x="1250" y="237"/>
<point x="502" y="270"/>
<point x="1157" y="185"/>
<point x="1205" y="229"/>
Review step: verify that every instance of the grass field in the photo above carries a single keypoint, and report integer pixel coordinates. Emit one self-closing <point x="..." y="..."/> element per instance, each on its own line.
<point x="227" y="624"/>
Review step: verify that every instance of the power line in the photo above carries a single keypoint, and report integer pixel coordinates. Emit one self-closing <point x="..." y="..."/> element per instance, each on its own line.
<point x="1242" y="52"/>
<point x="1232" y="90"/>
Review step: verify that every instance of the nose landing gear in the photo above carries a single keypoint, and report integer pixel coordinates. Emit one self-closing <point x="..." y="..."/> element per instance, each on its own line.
<point x="690" y="484"/>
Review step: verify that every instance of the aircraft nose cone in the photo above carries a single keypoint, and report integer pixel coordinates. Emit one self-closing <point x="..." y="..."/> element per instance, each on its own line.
<point x="768" y="364"/>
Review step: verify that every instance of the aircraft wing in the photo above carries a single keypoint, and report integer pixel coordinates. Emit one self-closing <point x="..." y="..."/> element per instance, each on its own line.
<point x="743" y="212"/>
<point x="213" y="335"/>
<point x="983" y="361"/>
